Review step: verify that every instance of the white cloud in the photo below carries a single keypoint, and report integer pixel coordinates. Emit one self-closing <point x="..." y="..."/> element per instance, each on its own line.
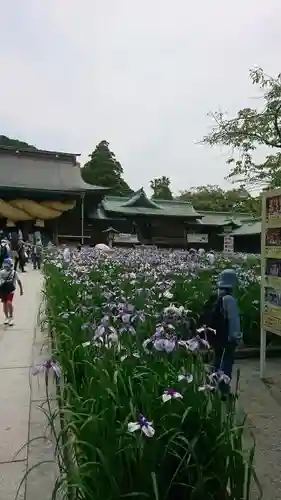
<point x="142" y="75"/>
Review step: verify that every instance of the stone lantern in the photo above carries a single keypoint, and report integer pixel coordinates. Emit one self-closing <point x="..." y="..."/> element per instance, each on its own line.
<point x="111" y="232"/>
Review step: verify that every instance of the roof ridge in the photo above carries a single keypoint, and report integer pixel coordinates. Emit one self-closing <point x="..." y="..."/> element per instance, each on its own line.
<point x="213" y="212"/>
<point x="140" y="197"/>
<point x="180" y="202"/>
<point x="38" y="152"/>
<point x="156" y="201"/>
<point x="253" y="221"/>
<point x="115" y="197"/>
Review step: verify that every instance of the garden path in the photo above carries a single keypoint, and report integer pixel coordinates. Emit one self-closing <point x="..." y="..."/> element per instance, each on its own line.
<point x="261" y="400"/>
<point x="21" y="397"/>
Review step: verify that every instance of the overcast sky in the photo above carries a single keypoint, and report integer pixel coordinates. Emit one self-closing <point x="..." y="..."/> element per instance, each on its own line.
<point x="140" y="74"/>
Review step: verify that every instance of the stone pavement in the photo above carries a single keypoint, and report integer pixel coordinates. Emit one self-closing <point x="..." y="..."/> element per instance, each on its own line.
<point x="22" y="397"/>
<point x="261" y="401"/>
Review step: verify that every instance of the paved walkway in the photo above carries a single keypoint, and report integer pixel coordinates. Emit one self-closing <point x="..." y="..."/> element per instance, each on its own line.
<point x="262" y="403"/>
<point x="21" y="397"/>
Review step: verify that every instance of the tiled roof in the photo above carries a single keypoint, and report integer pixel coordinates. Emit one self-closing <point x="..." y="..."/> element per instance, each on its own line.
<point x="140" y="204"/>
<point x="223" y="218"/>
<point x="41" y="171"/>
<point x="139" y="199"/>
<point x="247" y="229"/>
<point x="100" y="214"/>
<point x="114" y="206"/>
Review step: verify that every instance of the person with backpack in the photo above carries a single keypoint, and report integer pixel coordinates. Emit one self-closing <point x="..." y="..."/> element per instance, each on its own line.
<point x="224" y="317"/>
<point x="4" y="251"/>
<point x="8" y="280"/>
<point x="36" y="254"/>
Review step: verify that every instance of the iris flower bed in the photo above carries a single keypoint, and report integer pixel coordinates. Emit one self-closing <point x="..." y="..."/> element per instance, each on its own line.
<point x="142" y="414"/>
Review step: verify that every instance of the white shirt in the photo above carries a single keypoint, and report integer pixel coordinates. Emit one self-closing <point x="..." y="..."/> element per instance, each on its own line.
<point x="211" y="258"/>
<point x="66" y="255"/>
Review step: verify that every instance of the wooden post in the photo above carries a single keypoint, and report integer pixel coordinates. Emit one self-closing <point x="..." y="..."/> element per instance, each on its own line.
<point x="82" y="218"/>
<point x="263" y="271"/>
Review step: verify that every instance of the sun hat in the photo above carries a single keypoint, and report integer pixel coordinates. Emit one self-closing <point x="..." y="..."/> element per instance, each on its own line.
<point x="227" y="279"/>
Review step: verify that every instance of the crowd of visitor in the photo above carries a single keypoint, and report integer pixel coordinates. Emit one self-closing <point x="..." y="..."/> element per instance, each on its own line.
<point x="14" y="255"/>
<point x="21" y="253"/>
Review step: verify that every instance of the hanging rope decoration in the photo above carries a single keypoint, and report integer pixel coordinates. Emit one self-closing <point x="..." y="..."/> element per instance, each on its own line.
<point x="21" y="210"/>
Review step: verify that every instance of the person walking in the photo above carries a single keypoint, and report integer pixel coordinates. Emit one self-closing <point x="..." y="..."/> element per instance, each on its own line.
<point x="20" y="258"/>
<point x="66" y="254"/>
<point x="8" y="280"/>
<point x="211" y="257"/>
<point x="224" y="318"/>
<point x="36" y="254"/>
<point x="4" y="251"/>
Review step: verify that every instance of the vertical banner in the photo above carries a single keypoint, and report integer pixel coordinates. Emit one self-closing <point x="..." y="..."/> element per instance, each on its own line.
<point x="228" y="244"/>
<point x="270" y="269"/>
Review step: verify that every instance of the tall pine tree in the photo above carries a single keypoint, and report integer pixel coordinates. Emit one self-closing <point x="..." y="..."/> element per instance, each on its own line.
<point x="161" y="188"/>
<point x="104" y="170"/>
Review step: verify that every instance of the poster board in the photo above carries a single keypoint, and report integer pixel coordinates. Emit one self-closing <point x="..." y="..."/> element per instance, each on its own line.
<point x="270" y="270"/>
<point x="197" y="238"/>
<point x="39" y="223"/>
<point x="126" y="238"/>
<point x="228" y="244"/>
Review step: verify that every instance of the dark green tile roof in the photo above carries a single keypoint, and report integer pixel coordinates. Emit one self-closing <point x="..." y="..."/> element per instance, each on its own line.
<point x="139" y="199"/>
<point x="100" y="214"/>
<point x="223" y="218"/>
<point x="141" y="205"/>
<point x="248" y="228"/>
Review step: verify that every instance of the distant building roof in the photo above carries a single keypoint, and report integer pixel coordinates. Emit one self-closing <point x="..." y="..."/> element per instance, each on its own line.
<point x="42" y="171"/>
<point x="140" y="200"/>
<point x="248" y="228"/>
<point x="224" y="218"/>
<point x="140" y="204"/>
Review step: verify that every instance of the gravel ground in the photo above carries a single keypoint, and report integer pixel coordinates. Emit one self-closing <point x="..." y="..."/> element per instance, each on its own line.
<point x="261" y="401"/>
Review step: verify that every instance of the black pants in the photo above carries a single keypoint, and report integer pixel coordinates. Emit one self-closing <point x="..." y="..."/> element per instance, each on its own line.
<point x="224" y="360"/>
<point x="19" y="262"/>
<point x="36" y="261"/>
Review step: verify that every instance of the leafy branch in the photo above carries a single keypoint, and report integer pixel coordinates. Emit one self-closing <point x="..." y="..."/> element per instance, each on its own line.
<point x="251" y="129"/>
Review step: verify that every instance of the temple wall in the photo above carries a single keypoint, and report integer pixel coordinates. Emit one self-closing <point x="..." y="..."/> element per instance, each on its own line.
<point x="248" y="243"/>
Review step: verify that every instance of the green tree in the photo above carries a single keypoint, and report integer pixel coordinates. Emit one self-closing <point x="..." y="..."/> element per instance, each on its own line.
<point x="104" y="170"/>
<point x="161" y="188"/>
<point x="214" y="198"/>
<point x="251" y="129"/>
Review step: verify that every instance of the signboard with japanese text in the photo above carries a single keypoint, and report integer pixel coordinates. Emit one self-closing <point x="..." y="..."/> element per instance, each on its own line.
<point x="271" y="262"/>
<point x="197" y="238"/>
<point x="228" y="244"/>
<point x="126" y="238"/>
<point x="39" y="223"/>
